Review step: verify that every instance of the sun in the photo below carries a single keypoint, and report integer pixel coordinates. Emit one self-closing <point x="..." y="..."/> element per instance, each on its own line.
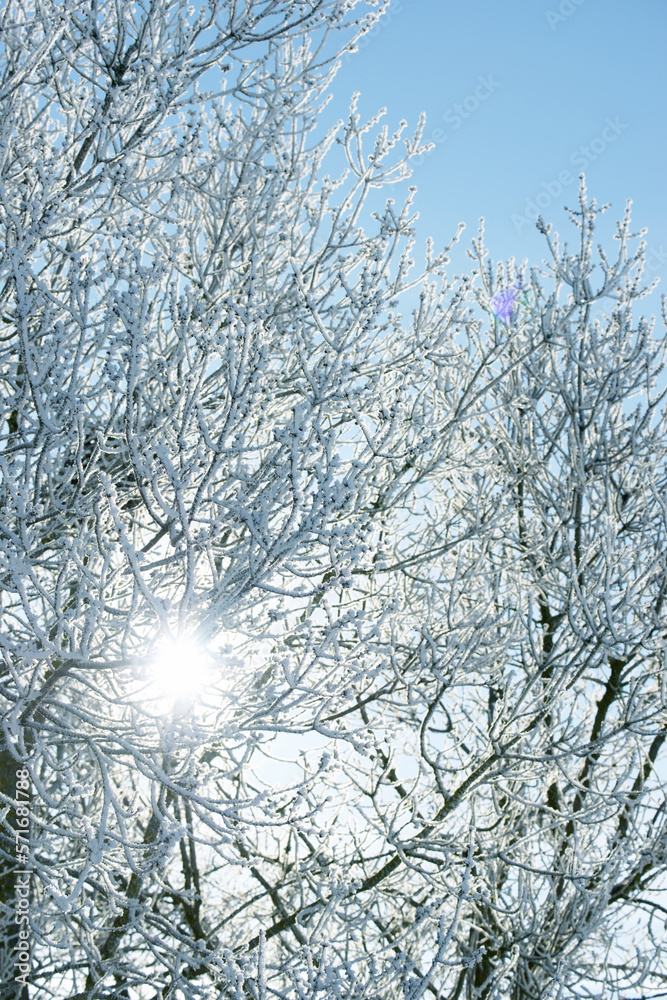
<point x="180" y="670"/>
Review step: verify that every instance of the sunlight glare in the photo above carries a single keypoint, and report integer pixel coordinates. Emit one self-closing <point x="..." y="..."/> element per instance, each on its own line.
<point x="181" y="670"/>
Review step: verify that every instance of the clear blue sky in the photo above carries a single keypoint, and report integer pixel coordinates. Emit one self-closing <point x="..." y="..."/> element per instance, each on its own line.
<point x="544" y="89"/>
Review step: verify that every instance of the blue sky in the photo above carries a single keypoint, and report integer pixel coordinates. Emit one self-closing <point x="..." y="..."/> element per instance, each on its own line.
<point x="519" y="98"/>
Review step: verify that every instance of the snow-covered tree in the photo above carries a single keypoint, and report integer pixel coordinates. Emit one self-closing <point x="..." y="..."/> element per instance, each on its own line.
<point x="549" y="739"/>
<point x="248" y="506"/>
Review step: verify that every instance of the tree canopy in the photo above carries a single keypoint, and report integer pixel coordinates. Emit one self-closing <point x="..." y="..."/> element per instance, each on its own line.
<point x="332" y="635"/>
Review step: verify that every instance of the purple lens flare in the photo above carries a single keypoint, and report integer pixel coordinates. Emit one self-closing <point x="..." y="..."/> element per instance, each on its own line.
<point x="503" y="302"/>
